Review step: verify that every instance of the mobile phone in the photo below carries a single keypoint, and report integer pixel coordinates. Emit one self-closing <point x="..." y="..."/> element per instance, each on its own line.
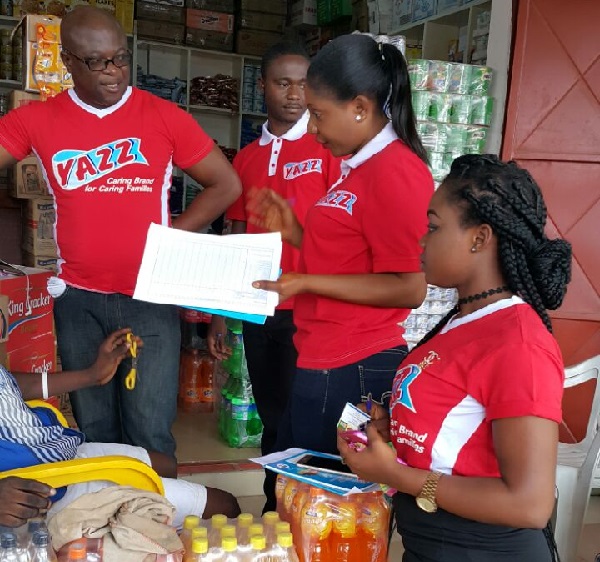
<point x="324" y="463"/>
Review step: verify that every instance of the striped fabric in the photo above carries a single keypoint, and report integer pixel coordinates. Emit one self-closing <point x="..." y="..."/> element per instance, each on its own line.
<point x="28" y="437"/>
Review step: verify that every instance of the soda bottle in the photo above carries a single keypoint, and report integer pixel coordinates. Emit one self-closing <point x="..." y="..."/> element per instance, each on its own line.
<point x="196" y="381"/>
<point x="200" y="550"/>
<point x="190" y="522"/>
<point x="284" y="551"/>
<point x="256" y="529"/>
<point x="373" y="526"/>
<point x="270" y="519"/>
<point x="234" y="339"/>
<point x="41" y="550"/>
<point x="280" y="485"/>
<point x="316" y="528"/>
<point x="298" y="502"/>
<point x="228" y="531"/>
<point x="225" y="407"/>
<point x="217" y="522"/>
<point x="244" y="521"/>
<point x="258" y="550"/>
<point x="345" y="546"/>
<point x="288" y="497"/>
<point x="8" y="548"/>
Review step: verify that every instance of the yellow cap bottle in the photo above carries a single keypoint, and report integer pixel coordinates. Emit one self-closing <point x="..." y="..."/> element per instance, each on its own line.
<point x="282" y="527"/>
<point x="200" y="546"/>
<point x="227" y="531"/>
<point x="191" y="521"/>
<point x="256" y="529"/>
<point x="199" y="533"/>
<point x="218" y="521"/>
<point x="245" y="519"/>
<point x="285" y="540"/>
<point x="229" y="544"/>
<point x="258" y="542"/>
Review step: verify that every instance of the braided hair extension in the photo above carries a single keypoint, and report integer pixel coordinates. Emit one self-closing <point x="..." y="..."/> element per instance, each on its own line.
<point x="507" y="198"/>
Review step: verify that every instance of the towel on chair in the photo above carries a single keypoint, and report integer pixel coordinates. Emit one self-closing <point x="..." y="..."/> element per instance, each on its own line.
<point x="135" y="525"/>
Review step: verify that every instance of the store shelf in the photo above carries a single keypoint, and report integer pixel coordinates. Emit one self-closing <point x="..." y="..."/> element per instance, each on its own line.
<point x="448" y="17"/>
<point x="11" y="84"/>
<point x="212" y="110"/>
<point x="9" y="20"/>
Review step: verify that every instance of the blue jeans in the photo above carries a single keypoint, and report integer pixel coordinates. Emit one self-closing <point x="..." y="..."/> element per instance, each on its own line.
<point x="111" y="413"/>
<point x="318" y="398"/>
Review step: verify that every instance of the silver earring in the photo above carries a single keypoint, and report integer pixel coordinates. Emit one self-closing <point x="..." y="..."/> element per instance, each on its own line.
<point x="358" y="118"/>
<point x="473" y="249"/>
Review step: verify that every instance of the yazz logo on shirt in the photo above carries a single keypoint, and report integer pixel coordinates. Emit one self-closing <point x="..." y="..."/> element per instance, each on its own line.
<point x="405" y="377"/>
<point x="74" y="168"/>
<point x="294" y="170"/>
<point x="338" y="199"/>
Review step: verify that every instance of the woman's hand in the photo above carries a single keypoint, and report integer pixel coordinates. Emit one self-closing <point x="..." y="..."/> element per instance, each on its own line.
<point x="267" y="210"/>
<point x="112" y="351"/>
<point x="380" y="418"/>
<point x="375" y="463"/>
<point x="216" y="338"/>
<point x="288" y="285"/>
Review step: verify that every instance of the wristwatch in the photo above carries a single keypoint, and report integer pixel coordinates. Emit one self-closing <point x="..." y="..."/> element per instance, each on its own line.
<point x="426" y="498"/>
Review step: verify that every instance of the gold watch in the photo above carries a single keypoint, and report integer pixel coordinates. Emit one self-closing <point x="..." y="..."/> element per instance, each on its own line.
<point x="426" y="498"/>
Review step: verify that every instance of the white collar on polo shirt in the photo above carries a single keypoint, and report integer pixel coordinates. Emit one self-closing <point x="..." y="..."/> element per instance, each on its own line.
<point x="101" y="113"/>
<point x="386" y="136"/>
<point x="295" y="133"/>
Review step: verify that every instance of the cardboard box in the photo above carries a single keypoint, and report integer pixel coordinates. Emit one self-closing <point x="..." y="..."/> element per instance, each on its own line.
<point x="401" y="13"/>
<point x="265" y="6"/>
<point x="422" y="9"/>
<point x="29" y="307"/>
<point x="19" y="97"/>
<point x="159" y="12"/>
<point x="38" y="228"/>
<point x="28" y="180"/>
<point x="212" y="40"/>
<point x="303" y="13"/>
<point x="124" y="12"/>
<point x="261" y="22"/>
<point x="40" y="262"/>
<point x="445" y="5"/>
<point x="249" y="42"/>
<point x="37" y="356"/>
<point x="209" y="21"/>
<point x="171" y="32"/>
<point x="3" y="318"/>
<point x="224" y="6"/>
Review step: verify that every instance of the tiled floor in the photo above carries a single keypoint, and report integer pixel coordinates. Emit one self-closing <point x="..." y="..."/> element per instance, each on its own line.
<point x="204" y="458"/>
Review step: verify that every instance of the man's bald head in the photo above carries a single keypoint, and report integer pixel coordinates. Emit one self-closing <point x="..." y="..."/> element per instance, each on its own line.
<point x="79" y="21"/>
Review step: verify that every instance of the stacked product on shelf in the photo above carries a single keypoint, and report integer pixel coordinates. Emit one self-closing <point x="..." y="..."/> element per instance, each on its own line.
<point x="260" y="24"/>
<point x="210" y="24"/>
<point x="172" y="89"/>
<point x="239" y="422"/>
<point x="161" y="21"/>
<point x="452" y="108"/>
<point x="11" y="54"/>
<point x="251" y="130"/>
<point x="219" y="91"/>
<point x="480" y="38"/>
<point x="253" y="99"/>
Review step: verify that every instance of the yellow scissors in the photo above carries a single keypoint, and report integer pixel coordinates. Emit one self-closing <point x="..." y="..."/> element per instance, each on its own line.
<point x="130" y="378"/>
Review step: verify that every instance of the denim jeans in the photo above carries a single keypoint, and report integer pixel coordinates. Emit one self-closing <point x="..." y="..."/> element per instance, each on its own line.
<point x="271" y="357"/>
<point x="319" y="396"/>
<point x="111" y="413"/>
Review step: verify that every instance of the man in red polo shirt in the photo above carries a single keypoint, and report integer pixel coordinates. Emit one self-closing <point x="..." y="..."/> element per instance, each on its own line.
<point x="288" y="160"/>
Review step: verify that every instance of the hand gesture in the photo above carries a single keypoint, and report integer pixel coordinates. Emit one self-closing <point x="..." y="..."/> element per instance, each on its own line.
<point x="21" y="499"/>
<point x="110" y="354"/>
<point x="271" y="212"/>
<point x="380" y="418"/>
<point x="288" y="285"/>
<point x="375" y="462"/>
<point x="216" y="338"/>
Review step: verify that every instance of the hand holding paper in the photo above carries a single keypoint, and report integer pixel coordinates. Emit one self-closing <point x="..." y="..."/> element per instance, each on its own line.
<point x="208" y="271"/>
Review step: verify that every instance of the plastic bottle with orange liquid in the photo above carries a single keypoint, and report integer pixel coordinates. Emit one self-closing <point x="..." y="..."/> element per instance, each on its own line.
<point x="300" y="498"/>
<point x="280" y="485"/>
<point x="373" y="527"/>
<point x="345" y="544"/>
<point x="315" y="528"/>
<point x="288" y="497"/>
<point x="190" y="522"/>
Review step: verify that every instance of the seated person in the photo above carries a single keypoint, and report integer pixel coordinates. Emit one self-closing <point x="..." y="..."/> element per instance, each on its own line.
<point x="34" y="436"/>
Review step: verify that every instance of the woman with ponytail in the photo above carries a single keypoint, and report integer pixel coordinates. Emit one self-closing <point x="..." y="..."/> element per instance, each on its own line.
<point x="359" y="272"/>
<point x="475" y="407"/>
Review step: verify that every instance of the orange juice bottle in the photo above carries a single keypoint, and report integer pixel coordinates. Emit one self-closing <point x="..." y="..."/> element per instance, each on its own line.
<point x="345" y="545"/>
<point x="302" y="494"/>
<point x="288" y="497"/>
<point x="280" y="485"/>
<point x="315" y="528"/>
<point x="373" y="527"/>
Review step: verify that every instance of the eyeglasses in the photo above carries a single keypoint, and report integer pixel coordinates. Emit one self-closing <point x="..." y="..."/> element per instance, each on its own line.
<point x="98" y="65"/>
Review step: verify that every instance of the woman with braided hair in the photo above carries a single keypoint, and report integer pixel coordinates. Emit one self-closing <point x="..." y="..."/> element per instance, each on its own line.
<point x="476" y="405"/>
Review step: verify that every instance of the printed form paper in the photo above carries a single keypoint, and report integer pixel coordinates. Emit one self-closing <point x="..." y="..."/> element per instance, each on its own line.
<point x="209" y="271"/>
